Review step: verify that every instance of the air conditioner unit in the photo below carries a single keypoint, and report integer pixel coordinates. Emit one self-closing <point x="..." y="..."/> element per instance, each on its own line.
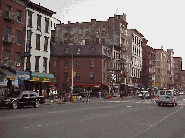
<point x="17" y="64"/>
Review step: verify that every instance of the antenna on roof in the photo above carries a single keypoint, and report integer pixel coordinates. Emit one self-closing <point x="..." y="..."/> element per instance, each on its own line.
<point x="116" y="11"/>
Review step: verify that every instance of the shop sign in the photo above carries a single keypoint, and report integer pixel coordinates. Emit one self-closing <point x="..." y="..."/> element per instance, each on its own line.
<point x="36" y="78"/>
<point x="12" y="79"/>
<point x="46" y="79"/>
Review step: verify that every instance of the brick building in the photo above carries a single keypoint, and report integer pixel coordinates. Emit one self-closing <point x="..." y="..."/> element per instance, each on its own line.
<point x="12" y="42"/>
<point x="161" y="69"/>
<point x="177" y="72"/>
<point x="90" y="62"/>
<point x="111" y="33"/>
<point x="148" y="65"/>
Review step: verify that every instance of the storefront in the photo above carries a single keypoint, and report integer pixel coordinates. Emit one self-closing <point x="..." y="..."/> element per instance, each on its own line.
<point x="40" y="82"/>
<point x="22" y="79"/>
<point x="9" y="79"/>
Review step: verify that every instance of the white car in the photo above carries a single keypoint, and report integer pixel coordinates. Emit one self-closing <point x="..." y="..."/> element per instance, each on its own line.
<point x="181" y="93"/>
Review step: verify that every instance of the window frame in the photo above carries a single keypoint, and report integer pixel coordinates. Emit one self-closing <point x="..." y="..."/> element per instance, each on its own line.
<point x="91" y="78"/>
<point x="19" y="16"/>
<point x="37" y="42"/>
<point x="18" y="38"/>
<point x="45" y="64"/>
<point x="46" y="43"/>
<point x="78" y="63"/>
<point x="65" y="63"/>
<point x="37" y="63"/>
<point x="91" y="63"/>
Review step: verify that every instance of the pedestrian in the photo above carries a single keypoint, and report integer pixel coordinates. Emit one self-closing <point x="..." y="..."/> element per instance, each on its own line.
<point x="87" y="97"/>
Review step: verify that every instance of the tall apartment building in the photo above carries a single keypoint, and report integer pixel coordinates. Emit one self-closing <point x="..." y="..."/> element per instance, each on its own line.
<point x="183" y="80"/>
<point x="111" y="33"/>
<point x="134" y="52"/>
<point x="148" y="65"/>
<point x="177" y="72"/>
<point x="171" y="68"/>
<point x="161" y="70"/>
<point x="12" y="42"/>
<point x="37" y="47"/>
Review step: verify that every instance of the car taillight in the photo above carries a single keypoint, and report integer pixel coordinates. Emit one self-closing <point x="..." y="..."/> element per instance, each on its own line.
<point x="157" y="97"/>
<point x="172" y="98"/>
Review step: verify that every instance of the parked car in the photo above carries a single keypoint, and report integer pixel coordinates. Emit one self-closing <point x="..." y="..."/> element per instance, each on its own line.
<point x="20" y="99"/>
<point x="181" y="93"/>
<point x="166" y="97"/>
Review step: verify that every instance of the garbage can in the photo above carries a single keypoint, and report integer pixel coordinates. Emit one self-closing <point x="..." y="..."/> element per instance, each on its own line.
<point x="107" y="96"/>
<point x="110" y="96"/>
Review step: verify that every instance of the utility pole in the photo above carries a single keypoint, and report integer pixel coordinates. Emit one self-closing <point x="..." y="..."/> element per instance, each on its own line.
<point x="72" y="73"/>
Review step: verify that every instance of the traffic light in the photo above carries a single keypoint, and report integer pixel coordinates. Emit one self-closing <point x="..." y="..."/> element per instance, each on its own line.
<point x="107" y="76"/>
<point x="125" y="74"/>
<point x="74" y="73"/>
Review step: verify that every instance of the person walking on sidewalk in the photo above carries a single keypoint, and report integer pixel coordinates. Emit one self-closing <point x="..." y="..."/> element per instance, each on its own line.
<point x="87" y="96"/>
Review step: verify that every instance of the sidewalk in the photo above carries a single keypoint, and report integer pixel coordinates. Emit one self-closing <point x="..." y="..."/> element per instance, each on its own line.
<point x="94" y="99"/>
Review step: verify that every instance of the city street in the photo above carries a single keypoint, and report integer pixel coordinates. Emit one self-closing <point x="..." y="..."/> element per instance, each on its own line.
<point x="101" y="118"/>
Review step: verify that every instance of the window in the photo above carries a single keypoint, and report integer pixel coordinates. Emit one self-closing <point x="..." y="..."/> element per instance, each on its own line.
<point x="45" y="43"/>
<point x="37" y="42"/>
<point x="8" y="30"/>
<point x="97" y="40"/>
<point x="158" y="70"/>
<point x="18" y="38"/>
<point x="92" y="63"/>
<point x="86" y="41"/>
<point x="103" y="29"/>
<point x="44" y="64"/>
<point x="32" y="95"/>
<point x="54" y="63"/>
<point x="103" y="76"/>
<point x="158" y="63"/>
<point x="29" y="19"/>
<point x="39" y="22"/>
<point x="65" y="63"/>
<point x="65" y="75"/>
<point x="67" y="50"/>
<point x="78" y="63"/>
<point x="46" y="24"/>
<point x="168" y="93"/>
<point x="6" y="54"/>
<point x="37" y="63"/>
<point x="78" y="76"/>
<point x="8" y="10"/>
<point x="54" y="73"/>
<point x="162" y="92"/>
<point x="102" y="41"/>
<point x="78" y="50"/>
<point x="103" y="63"/>
<point x="17" y="57"/>
<point x="91" y="76"/>
<point x="19" y="16"/>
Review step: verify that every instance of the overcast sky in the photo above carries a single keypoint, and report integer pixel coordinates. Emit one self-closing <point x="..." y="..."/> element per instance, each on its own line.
<point x="162" y="22"/>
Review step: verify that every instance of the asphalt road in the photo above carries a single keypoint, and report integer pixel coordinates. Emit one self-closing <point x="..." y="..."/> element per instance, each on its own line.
<point x="116" y="118"/>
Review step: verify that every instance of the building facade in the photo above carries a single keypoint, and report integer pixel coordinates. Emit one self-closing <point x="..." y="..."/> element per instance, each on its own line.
<point x="171" y="68"/>
<point x="37" y="46"/>
<point x="148" y="65"/>
<point x="161" y="70"/>
<point x="12" y="34"/>
<point x="177" y="72"/>
<point x="111" y="33"/>
<point x="135" y="54"/>
<point x="89" y="62"/>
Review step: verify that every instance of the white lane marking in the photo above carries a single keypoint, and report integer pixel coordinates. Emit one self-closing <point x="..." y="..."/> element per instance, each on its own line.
<point x="128" y="106"/>
<point x="39" y="125"/>
<point x="157" y="122"/>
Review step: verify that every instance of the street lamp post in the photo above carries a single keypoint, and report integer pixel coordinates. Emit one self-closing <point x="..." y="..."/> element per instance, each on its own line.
<point x="72" y="75"/>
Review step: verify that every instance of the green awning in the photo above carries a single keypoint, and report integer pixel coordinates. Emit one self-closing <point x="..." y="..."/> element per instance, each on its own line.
<point x="42" y="77"/>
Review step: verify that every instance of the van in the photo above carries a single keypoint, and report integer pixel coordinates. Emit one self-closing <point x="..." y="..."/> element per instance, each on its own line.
<point x="166" y="97"/>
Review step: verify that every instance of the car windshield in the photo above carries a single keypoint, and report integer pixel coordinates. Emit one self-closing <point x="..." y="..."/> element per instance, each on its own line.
<point x="15" y="94"/>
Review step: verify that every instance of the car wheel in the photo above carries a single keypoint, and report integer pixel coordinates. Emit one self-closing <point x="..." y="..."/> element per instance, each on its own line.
<point x="14" y="105"/>
<point x="172" y="104"/>
<point x="159" y="104"/>
<point x="176" y="104"/>
<point x="37" y="104"/>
